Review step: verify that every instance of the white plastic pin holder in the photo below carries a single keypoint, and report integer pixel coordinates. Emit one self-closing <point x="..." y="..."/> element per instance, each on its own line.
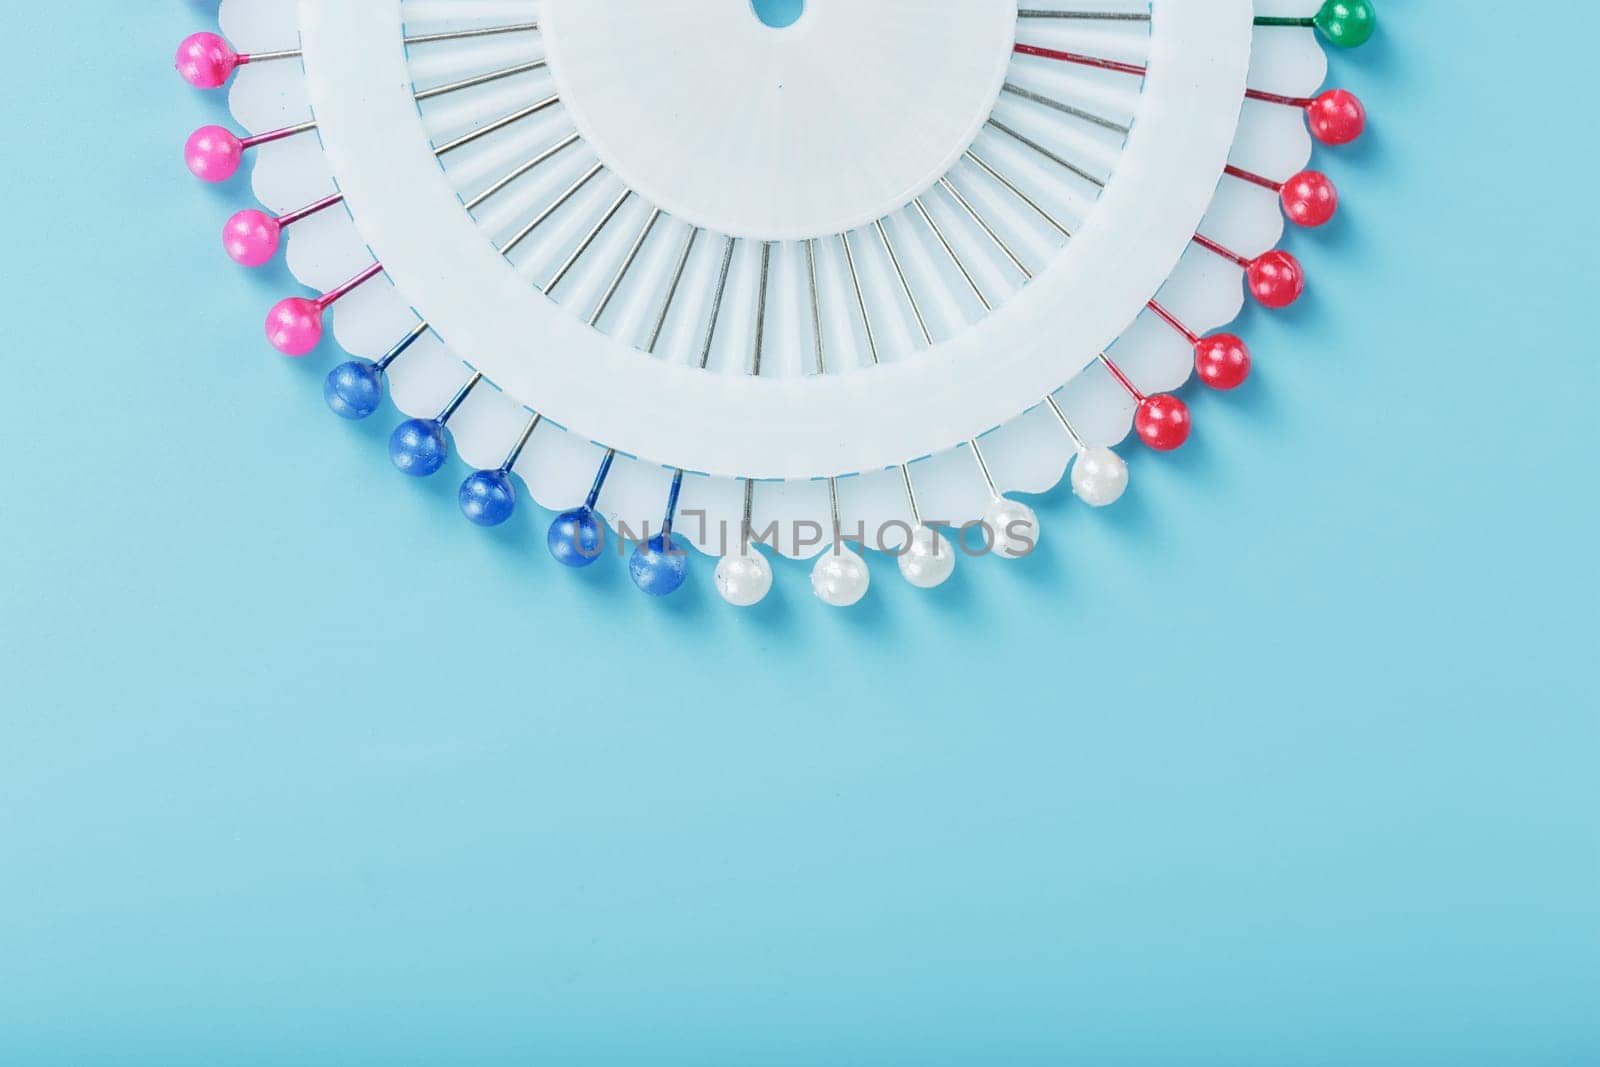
<point x="867" y="273"/>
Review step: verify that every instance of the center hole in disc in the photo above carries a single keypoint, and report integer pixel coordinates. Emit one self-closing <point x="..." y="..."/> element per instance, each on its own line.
<point x="778" y="13"/>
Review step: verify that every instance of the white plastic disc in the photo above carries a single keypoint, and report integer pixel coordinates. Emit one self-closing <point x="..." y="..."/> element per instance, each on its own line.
<point x="779" y="134"/>
<point x="794" y="427"/>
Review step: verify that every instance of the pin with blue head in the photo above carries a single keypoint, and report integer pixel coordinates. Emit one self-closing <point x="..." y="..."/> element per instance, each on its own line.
<point x="354" y="389"/>
<point x="419" y="447"/>
<point x="660" y="564"/>
<point x="489" y="497"/>
<point x="578" y="537"/>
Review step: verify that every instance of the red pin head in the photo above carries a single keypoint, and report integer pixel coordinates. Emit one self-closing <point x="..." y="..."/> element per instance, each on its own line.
<point x="1222" y="361"/>
<point x="206" y="61"/>
<point x="1336" y="117"/>
<point x="1276" y="278"/>
<point x="1162" y="422"/>
<point x="1309" y="198"/>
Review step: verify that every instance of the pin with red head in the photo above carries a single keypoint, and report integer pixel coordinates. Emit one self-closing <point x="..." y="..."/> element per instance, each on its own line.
<point x="1335" y="117"/>
<point x="1161" y="421"/>
<point x="1309" y="198"/>
<point x="1222" y="360"/>
<point x="1275" y="278"/>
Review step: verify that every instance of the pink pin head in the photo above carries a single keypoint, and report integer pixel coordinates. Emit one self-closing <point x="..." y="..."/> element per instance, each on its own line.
<point x="294" y="326"/>
<point x="1337" y="117"/>
<point x="251" y="238"/>
<point x="206" y="61"/>
<point x="1163" y="422"/>
<point x="213" y="154"/>
<point x="1222" y="361"/>
<point x="1276" y="279"/>
<point x="1310" y="198"/>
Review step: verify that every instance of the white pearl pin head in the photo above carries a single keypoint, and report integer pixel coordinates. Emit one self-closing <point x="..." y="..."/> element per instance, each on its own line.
<point x="1013" y="528"/>
<point x="744" y="580"/>
<point x="929" y="560"/>
<point x="1099" y="477"/>
<point x="840" y="577"/>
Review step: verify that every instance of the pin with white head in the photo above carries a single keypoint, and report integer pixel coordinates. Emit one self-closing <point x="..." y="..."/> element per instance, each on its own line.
<point x="1099" y="475"/>
<point x="927" y="559"/>
<point x="744" y="577"/>
<point x="1012" y="526"/>
<point x="840" y="577"/>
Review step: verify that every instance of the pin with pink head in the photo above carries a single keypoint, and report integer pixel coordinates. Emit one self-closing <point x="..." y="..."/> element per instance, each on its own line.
<point x="214" y="153"/>
<point x="207" y="61"/>
<point x="294" y="325"/>
<point x="251" y="237"/>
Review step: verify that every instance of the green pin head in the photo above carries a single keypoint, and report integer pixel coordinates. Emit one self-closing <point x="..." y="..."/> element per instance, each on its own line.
<point x="1347" y="23"/>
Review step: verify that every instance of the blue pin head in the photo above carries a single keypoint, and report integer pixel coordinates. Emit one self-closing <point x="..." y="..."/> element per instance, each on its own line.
<point x="577" y="538"/>
<point x="354" y="389"/>
<point x="419" y="447"/>
<point x="488" y="498"/>
<point x="659" y="566"/>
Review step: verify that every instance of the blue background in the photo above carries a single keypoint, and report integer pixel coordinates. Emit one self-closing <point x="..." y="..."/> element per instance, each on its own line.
<point x="1290" y="759"/>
